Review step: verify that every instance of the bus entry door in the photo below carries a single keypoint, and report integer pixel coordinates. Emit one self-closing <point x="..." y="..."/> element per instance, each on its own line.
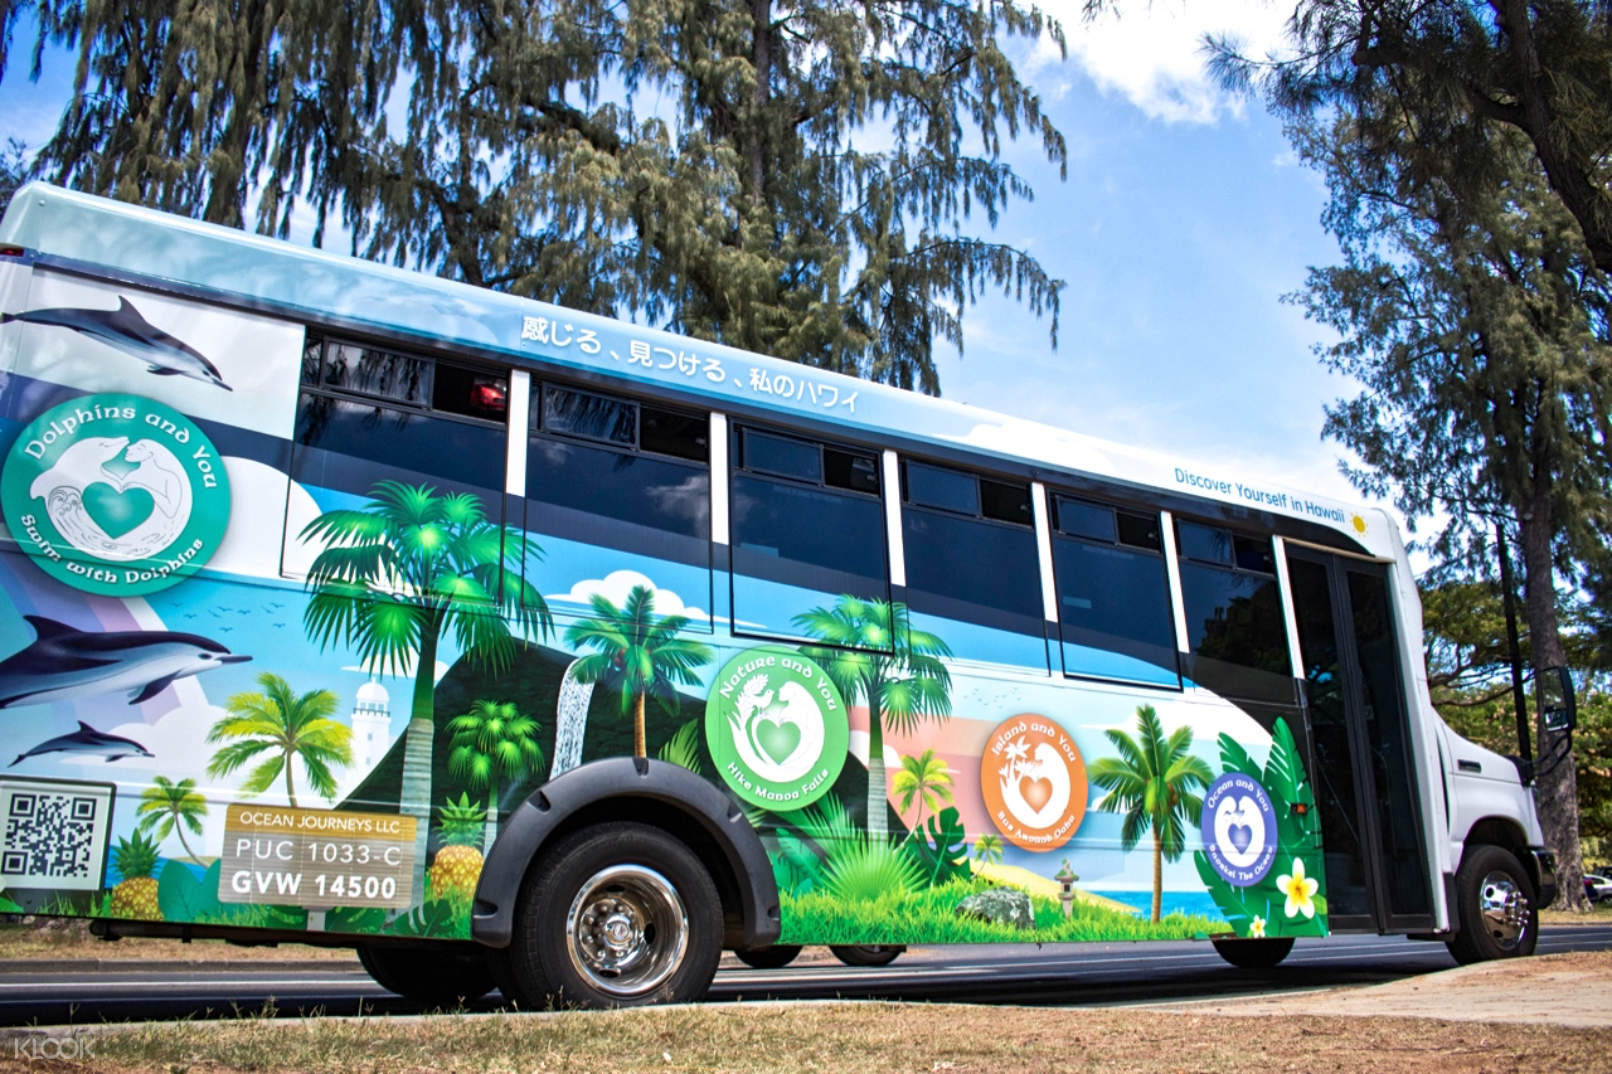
<point x="1365" y="779"/>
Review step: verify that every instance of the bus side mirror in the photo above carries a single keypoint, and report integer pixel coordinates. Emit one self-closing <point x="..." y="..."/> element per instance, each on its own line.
<point x="1558" y="707"/>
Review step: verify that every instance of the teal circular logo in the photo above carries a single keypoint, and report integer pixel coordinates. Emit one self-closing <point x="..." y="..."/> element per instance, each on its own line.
<point x="115" y="494"/>
<point x="777" y="728"/>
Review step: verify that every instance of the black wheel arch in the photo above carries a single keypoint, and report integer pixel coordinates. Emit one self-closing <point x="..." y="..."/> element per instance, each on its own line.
<point x="1508" y="835"/>
<point x="657" y="793"/>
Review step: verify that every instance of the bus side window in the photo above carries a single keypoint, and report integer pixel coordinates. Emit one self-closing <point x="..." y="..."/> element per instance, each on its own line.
<point x="623" y="488"/>
<point x="973" y="579"/>
<point x="807" y="534"/>
<point x="1235" y="632"/>
<point x="1113" y="590"/>
<point x="367" y="415"/>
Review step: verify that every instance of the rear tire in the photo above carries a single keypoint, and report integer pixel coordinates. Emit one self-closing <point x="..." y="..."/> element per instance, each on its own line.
<point x="1254" y="954"/>
<point x="769" y="958"/>
<point x="617" y="916"/>
<point x="868" y="954"/>
<point x="438" y="975"/>
<point x="1495" y="911"/>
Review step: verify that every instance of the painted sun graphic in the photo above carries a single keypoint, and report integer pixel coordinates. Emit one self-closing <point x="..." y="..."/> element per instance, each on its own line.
<point x="1359" y="524"/>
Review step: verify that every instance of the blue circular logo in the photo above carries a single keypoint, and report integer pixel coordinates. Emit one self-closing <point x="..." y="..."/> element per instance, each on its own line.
<point x="1239" y="829"/>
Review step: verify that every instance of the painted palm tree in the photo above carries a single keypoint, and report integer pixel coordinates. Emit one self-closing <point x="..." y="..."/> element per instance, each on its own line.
<point x="396" y="575"/>
<point x="902" y="686"/>
<point x="275" y="728"/>
<point x="638" y="653"/>
<point x="988" y="849"/>
<point x="170" y="808"/>
<point x="925" y="779"/>
<point x="1152" y="782"/>
<point x="494" y="749"/>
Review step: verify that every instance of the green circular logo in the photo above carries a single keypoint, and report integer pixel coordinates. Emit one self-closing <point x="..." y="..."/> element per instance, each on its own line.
<point x="115" y="494"/>
<point x="776" y="727"/>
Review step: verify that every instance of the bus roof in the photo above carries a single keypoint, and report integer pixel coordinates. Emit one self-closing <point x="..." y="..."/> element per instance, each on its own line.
<point x="278" y="276"/>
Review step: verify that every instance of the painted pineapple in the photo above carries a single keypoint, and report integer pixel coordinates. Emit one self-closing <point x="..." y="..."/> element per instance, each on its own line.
<point x="135" y="897"/>
<point x="458" y="863"/>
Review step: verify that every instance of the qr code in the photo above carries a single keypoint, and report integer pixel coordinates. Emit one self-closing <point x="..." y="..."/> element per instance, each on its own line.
<point x="53" y="834"/>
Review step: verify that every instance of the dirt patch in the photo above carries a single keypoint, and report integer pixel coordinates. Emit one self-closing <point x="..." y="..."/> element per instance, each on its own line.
<point x="1565" y="990"/>
<point x="870" y="1038"/>
<point x="63" y="939"/>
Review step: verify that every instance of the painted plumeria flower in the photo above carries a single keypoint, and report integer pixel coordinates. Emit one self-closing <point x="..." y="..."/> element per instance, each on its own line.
<point x="1257" y="929"/>
<point x="1298" y="888"/>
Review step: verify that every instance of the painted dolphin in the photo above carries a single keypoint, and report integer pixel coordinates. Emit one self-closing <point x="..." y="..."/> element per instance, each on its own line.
<point x="65" y="663"/>
<point x="127" y="331"/>
<point x="86" y="740"/>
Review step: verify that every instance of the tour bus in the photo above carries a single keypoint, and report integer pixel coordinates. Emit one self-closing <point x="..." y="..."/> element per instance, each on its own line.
<point x="525" y="648"/>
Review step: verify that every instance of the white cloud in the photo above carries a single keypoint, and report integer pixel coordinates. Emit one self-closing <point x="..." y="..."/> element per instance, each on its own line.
<point x="1152" y="52"/>
<point x="615" y="586"/>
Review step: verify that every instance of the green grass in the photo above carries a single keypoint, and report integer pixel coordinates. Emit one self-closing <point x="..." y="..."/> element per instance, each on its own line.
<point x="928" y="917"/>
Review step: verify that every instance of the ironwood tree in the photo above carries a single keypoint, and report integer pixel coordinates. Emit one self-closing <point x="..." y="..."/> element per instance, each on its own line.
<point x="1475" y="74"/>
<point x="1478" y="325"/>
<point x="798" y="179"/>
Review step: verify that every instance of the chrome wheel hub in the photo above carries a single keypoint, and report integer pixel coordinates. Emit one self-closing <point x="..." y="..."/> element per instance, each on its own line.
<point x="627" y="930"/>
<point x="1504" y="908"/>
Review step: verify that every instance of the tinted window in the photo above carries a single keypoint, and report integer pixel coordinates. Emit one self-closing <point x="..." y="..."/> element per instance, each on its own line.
<point x="604" y="495"/>
<point x="783" y="456"/>
<point x="350" y="367"/>
<point x="590" y="416"/>
<point x="1113" y="591"/>
<point x="1235" y="630"/>
<point x="1005" y="502"/>
<point x="802" y="543"/>
<point x="1081" y="519"/>
<point x="667" y="433"/>
<point x="930" y="486"/>
<point x="1209" y="544"/>
<point x="973" y="581"/>
<point x="349" y="446"/>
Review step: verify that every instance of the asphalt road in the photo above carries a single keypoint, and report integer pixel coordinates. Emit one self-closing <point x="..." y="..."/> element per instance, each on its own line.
<point x="1065" y="975"/>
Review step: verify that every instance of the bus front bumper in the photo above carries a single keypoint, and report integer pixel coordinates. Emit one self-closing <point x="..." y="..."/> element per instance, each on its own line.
<point x="1544" y="869"/>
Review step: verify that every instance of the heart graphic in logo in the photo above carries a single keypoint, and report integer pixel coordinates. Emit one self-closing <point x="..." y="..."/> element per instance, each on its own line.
<point x="777" y="740"/>
<point x="117" y="512"/>
<point x="1037" y="791"/>
<point x="1241" y="836"/>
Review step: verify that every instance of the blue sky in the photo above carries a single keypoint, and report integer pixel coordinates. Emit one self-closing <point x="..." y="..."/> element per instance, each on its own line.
<point x="1183" y="220"/>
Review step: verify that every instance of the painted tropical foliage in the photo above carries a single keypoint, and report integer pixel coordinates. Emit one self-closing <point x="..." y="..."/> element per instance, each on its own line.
<point x="1291" y="900"/>
<point x="924" y="779"/>
<point x="276" y="727"/>
<point x="169" y="808"/>
<point x="1153" y="783"/>
<point x="494" y="750"/>
<point x="397" y="574"/>
<point x="637" y="653"/>
<point x="902" y="686"/>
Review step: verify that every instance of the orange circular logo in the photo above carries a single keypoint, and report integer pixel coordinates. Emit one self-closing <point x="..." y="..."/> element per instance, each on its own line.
<point x="1034" y="782"/>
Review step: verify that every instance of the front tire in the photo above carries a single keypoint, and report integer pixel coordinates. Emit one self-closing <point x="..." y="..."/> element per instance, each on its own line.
<point x="769" y="958"/>
<point x="617" y="916"/>
<point x="1496" y="913"/>
<point x="867" y="954"/>
<point x="437" y="975"/>
<point x="1254" y="954"/>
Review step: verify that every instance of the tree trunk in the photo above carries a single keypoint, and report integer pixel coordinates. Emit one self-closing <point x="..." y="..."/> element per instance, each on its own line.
<point x="761" y="56"/>
<point x="1556" y="789"/>
<point x="418" y="752"/>
<point x="1158" y="875"/>
<point x="640" y="741"/>
<point x="877" y="828"/>
<point x="290" y="791"/>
